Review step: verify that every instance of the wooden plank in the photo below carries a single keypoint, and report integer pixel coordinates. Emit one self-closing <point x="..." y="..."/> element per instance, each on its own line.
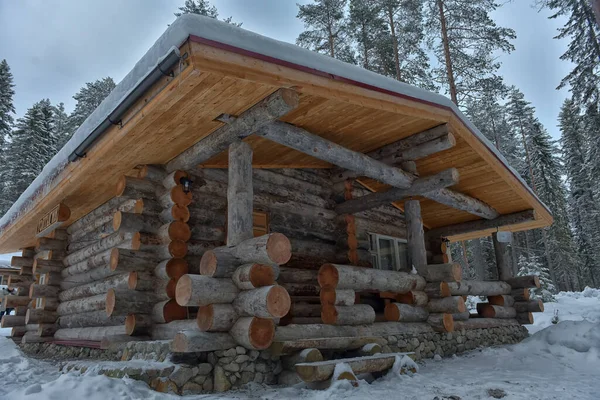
<point x="53" y="220"/>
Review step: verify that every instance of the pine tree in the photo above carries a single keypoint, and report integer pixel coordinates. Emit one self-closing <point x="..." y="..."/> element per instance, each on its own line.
<point x="583" y="206"/>
<point x="33" y="144"/>
<point x="584" y="47"/>
<point x="88" y="99"/>
<point x="367" y="29"/>
<point x="202" y="7"/>
<point x="465" y="39"/>
<point x="327" y="29"/>
<point x="6" y="121"/>
<point x="61" y="125"/>
<point x="535" y="267"/>
<point x="557" y="239"/>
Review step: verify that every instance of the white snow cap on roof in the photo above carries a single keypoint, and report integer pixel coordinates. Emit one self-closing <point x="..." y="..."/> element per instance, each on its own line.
<point x="221" y="32"/>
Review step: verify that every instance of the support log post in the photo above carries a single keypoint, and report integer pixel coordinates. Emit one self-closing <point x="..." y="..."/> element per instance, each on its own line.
<point x="239" y="194"/>
<point x="503" y="258"/>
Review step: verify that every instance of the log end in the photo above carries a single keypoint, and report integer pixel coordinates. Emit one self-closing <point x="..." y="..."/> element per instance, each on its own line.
<point x="525" y="318"/>
<point x="541" y="305"/>
<point x="173" y="311"/>
<point x="132" y="280"/>
<point x="177" y="175"/>
<point x="117" y="218"/>
<point x="179" y="196"/>
<point x="171" y="288"/>
<point x="457" y="272"/>
<point x="405" y="298"/>
<point x="121" y="185"/>
<point x="183" y="290"/>
<point x="205" y="317"/>
<point x="208" y="263"/>
<point x="461" y="306"/>
<point x="278" y="301"/>
<point x="329" y="314"/>
<point x="179" y="230"/>
<point x="279" y="248"/>
<point x="448" y="322"/>
<point x="486" y="310"/>
<point x="178" y="248"/>
<point x="328" y="276"/>
<point x="176" y="268"/>
<point x="136" y="241"/>
<point x="391" y="312"/>
<point x="27" y="317"/>
<point x="327" y="297"/>
<point x="261" y="333"/>
<point x="536" y="281"/>
<point x="180" y="213"/>
<point x="130" y="324"/>
<point x="138" y="207"/>
<point x="114" y="259"/>
<point x="110" y="301"/>
<point x="261" y="275"/>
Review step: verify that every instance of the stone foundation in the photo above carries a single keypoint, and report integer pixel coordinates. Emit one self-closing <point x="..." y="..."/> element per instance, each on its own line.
<point x="218" y="371"/>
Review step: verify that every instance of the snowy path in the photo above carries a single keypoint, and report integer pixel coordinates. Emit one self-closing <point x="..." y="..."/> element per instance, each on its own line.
<point x="560" y="362"/>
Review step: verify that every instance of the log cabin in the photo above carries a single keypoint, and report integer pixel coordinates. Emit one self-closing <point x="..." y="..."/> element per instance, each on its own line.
<point x="237" y="192"/>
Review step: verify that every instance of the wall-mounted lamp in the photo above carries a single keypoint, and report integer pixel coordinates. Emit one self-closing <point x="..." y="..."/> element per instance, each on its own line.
<point x="187" y="183"/>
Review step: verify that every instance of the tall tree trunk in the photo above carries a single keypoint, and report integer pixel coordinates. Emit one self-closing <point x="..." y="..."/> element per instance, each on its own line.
<point x="390" y="13"/>
<point x="446" y="43"/>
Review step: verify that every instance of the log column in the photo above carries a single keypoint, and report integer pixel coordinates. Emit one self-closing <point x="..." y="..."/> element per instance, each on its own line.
<point x="239" y="194"/>
<point x="503" y="258"/>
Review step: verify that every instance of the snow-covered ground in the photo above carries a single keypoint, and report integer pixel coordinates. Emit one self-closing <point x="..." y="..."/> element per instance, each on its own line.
<point x="557" y="362"/>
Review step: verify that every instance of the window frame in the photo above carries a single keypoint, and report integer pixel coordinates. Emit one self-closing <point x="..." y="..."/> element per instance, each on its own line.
<point x="376" y="253"/>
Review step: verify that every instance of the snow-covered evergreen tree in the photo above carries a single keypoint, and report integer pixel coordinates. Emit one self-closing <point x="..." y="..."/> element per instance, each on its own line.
<point x="368" y="30"/>
<point x="7" y="110"/>
<point x="326" y="29"/>
<point x="33" y="144"/>
<point x="583" y="206"/>
<point x="533" y="266"/>
<point x="202" y="7"/>
<point x="466" y="40"/>
<point x="88" y="99"/>
<point x="61" y="125"/>
<point x="584" y="47"/>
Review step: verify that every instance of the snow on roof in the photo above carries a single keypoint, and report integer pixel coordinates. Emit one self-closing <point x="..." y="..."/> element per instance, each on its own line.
<point x="227" y="34"/>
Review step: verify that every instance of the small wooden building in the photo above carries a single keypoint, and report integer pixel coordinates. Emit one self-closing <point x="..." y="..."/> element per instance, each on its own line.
<point x="235" y="191"/>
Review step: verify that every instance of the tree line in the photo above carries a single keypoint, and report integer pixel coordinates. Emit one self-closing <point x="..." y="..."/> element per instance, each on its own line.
<point x="448" y="46"/>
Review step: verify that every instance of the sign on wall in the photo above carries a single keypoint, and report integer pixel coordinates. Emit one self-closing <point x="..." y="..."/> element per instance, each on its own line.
<point x="52" y="220"/>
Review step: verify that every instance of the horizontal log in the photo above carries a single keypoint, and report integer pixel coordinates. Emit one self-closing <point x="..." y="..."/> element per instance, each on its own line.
<point x="305" y="355"/>
<point x="88" y="264"/>
<point x="323" y="370"/>
<point x="481" y="225"/>
<point x="441" y="322"/>
<point x="415" y="298"/>
<point x="297" y="275"/>
<point x="357" y="278"/>
<point x="87" y="304"/>
<point x="501" y="300"/>
<point x="272" y="107"/>
<point x="405" y="313"/>
<point x="173" y="268"/>
<point x="36" y="316"/>
<point x="301" y="289"/>
<point x="252" y="276"/>
<point x="446" y="178"/>
<point x="120" y="281"/>
<point x="273" y="248"/>
<point x="216" y="317"/>
<point x="335" y="297"/>
<point x="442" y="272"/>
<point x="529" y="306"/>
<point x="194" y="341"/>
<point x="90" y="226"/>
<point x="357" y="314"/>
<point x="137" y="324"/>
<point x="90" y="318"/>
<point x="96" y="333"/>
<point x="167" y="311"/>
<point x="487" y="310"/>
<point x="525" y="318"/>
<point x="17" y="261"/>
<point x="49" y="303"/>
<point x="46" y="243"/>
<point x="123" y="302"/>
<point x="15" y="301"/>
<point x="520" y="282"/>
<point x="9" y="321"/>
<point x="18" y="331"/>
<point x="449" y="305"/>
<point x="200" y="290"/>
<point x="325" y="343"/>
<point x="264" y="302"/>
<point x="120" y="239"/>
<point x="377" y="329"/>
<point x="37" y="291"/>
<point x="520" y="294"/>
<point x="33" y="337"/>
<point x="168" y="331"/>
<point x="253" y="333"/>
<point x="43" y="266"/>
<point x="124" y="260"/>
<point x="422" y="150"/>
<point x="135" y="188"/>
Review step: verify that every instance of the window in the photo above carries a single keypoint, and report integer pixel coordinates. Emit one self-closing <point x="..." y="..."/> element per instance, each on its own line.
<point x="388" y="252"/>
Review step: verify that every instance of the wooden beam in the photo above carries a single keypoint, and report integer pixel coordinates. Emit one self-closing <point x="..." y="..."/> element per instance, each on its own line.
<point x="481" y="225"/>
<point x="503" y="258"/>
<point x="323" y="149"/>
<point x="420" y="186"/>
<point x="272" y="107"/>
<point x="410" y="142"/>
<point x="240" y="194"/>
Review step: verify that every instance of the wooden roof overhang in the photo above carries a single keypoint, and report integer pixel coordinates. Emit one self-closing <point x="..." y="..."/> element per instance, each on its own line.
<point x="220" y="79"/>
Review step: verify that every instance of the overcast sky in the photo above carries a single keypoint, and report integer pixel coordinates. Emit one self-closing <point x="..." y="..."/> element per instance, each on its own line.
<point x="54" y="46"/>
